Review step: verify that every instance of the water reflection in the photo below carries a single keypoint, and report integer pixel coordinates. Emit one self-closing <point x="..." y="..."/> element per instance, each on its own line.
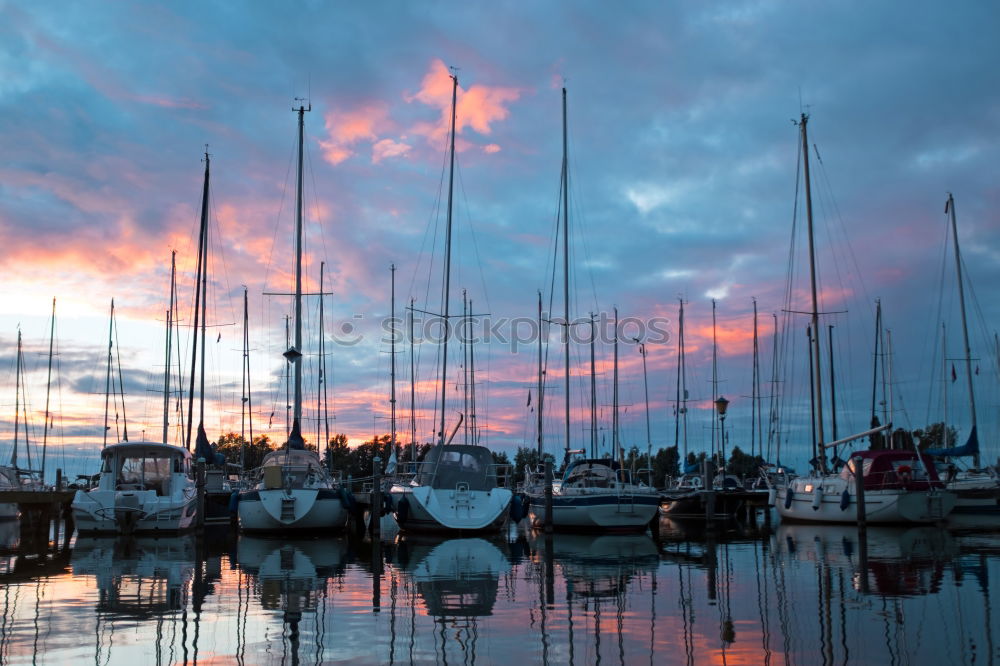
<point x="736" y="593"/>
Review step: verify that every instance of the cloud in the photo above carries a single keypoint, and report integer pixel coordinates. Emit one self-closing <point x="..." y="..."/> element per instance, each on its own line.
<point x="388" y="148"/>
<point x="477" y="107"/>
<point x="491" y="148"/>
<point x="347" y="128"/>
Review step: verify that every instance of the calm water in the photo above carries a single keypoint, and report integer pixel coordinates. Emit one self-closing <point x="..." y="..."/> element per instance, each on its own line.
<point x="739" y="595"/>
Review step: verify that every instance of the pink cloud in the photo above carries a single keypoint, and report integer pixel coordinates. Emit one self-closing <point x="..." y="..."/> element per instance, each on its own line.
<point x="346" y="128"/>
<point x="491" y="148"/>
<point x="388" y="148"/>
<point x="478" y="107"/>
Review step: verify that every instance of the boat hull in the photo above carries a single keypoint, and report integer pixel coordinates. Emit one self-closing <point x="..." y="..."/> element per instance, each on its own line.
<point x="596" y="511"/>
<point x="448" y="510"/>
<point x="884" y="507"/>
<point x="310" y="509"/>
<point x="118" y="512"/>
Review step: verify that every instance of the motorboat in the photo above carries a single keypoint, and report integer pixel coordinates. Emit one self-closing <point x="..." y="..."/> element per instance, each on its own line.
<point x="143" y="487"/>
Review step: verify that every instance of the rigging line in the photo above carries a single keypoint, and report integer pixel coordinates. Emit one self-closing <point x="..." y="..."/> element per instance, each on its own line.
<point x="472" y="235"/>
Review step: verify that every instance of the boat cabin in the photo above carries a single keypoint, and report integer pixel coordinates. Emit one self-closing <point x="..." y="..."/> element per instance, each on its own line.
<point x="894" y="469"/>
<point x="294" y="468"/>
<point x="595" y="473"/>
<point x="449" y="465"/>
<point x="142" y="466"/>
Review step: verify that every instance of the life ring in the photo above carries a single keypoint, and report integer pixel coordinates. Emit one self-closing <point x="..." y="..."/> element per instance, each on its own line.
<point x="905" y="473"/>
<point x="696" y="482"/>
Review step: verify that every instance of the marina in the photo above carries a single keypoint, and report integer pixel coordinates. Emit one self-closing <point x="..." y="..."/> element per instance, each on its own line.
<point x="549" y="333"/>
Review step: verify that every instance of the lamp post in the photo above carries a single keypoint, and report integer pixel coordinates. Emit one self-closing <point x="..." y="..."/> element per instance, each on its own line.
<point x="721" y="404"/>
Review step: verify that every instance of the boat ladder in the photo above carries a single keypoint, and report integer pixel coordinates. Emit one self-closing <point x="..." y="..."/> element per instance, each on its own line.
<point x="288" y="508"/>
<point x="626" y="501"/>
<point x="935" y="505"/>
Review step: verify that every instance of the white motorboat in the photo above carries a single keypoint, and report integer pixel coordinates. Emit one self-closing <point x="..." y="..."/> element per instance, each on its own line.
<point x="143" y="487"/>
<point x="455" y="490"/>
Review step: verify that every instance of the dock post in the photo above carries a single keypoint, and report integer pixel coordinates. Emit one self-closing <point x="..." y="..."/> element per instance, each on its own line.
<point x="859" y="489"/>
<point x="58" y="478"/>
<point x="199" y="480"/>
<point x="376" y="499"/>
<point x="548" y="496"/>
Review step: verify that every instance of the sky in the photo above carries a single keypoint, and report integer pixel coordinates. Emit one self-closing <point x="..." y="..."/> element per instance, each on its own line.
<point x="684" y="172"/>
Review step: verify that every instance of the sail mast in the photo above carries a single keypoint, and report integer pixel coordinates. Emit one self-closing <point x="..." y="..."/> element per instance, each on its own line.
<point x="324" y="408"/>
<point x="413" y="395"/>
<point x="166" y="352"/>
<point x="817" y="376"/>
<point x="447" y="260"/>
<point x="593" y="389"/>
<point x="247" y="405"/>
<point x="541" y="385"/>
<point x="392" y="362"/>
<point x="48" y="388"/>
<point x="950" y="208"/>
<point x="565" y="206"/>
<point x="107" y="381"/>
<point x="17" y="402"/>
<point x="755" y="388"/>
<point x="295" y="438"/>
<point x="198" y="291"/>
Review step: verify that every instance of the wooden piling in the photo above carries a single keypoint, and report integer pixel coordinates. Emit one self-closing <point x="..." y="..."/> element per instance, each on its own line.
<point x="375" y="524"/>
<point x="548" y="496"/>
<point x="199" y="479"/>
<point x="859" y="488"/>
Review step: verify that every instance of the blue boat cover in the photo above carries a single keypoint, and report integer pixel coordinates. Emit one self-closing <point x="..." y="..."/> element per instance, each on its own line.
<point x="970" y="448"/>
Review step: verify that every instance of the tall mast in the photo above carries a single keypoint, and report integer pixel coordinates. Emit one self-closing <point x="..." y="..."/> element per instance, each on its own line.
<point x="944" y="384"/>
<point x="817" y="376"/>
<point x="199" y="306"/>
<point x="465" y="366"/>
<point x="645" y="388"/>
<point x="565" y="207"/>
<point x="772" y="412"/>
<point x="107" y="381"/>
<point x="17" y="402"/>
<point x="614" y="408"/>
<point x="833" y="388"/>
<point x="246" y="402"/>
<point x="322" y="393"/>
<point x="878" y="336"/>
<point x="593" y="389"/>
<point x="447" y="261"/>
<point x="755" y="388"/>
<point x="682" y="375"/>
<point x="715" y="380"/>
<point x="472" y="384"/>
<point x="950" y="208"/>
<point x="392" y="362"/>
<point x="541" y="382"/>
<point x="48" y="388"/>
<point x="295" y="438"/>
<point x="169" y="340"/>
<point x="413" y="394"/>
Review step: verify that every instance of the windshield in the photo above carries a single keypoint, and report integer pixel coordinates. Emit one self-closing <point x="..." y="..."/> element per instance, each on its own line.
<point x="449" y="466"/>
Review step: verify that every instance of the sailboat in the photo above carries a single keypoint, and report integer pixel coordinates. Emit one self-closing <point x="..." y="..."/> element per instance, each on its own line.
<point x="595" y="493"/>
<point x="144" y="487"/>
<point x="977" y="488"/>
<point x="456" y="486"/>
<point x="900" y="486"/>
<point x="293" y="491"/>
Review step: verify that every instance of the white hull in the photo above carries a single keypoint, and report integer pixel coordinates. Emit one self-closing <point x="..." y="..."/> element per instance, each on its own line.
<point x="895" y="506"/>
<point x="297" y="509"/>
<point x="9" y="511"/>
<point x="121" y="512"/>
<point x="595" y="510"/>
<point x="450" y="510"/>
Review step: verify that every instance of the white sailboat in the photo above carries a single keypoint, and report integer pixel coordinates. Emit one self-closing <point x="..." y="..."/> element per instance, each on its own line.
<point x="293" y="491"/>
<point x="899" y="486"/>
<point x="977" y="488"/>
<point x="456" y="487"/>
<point x="595" y="493"/>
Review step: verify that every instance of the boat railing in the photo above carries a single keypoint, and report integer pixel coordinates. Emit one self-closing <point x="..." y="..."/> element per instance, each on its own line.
<point x="503" y="472"/>
<point x="643" y="476"/>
